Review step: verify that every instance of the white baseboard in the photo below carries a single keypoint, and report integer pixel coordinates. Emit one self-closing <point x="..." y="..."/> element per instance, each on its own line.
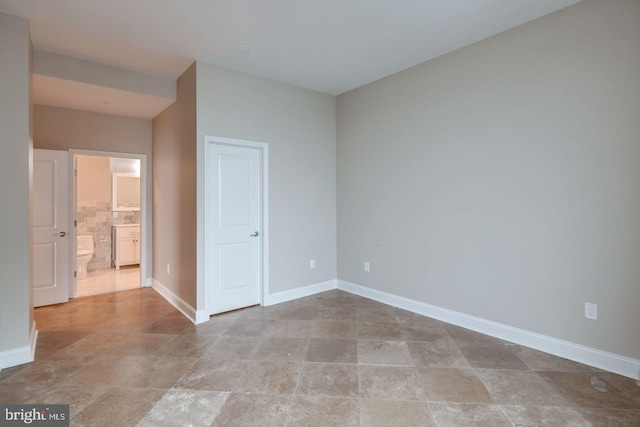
<point x="305" y="291"/>
<point x="33" y="340"/>
<point x="148" y="282"/>
<point x="181" y="305"/>
<point x="20" y="355"/>
<point x="611" y="362"/>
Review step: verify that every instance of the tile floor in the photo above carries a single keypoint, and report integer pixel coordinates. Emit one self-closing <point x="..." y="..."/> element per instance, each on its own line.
<point x="333" y="359"/>
<point x="112" y="280"/>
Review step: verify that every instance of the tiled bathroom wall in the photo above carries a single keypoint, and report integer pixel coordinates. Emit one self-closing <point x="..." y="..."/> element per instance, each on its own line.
<point x="95" y="219"/>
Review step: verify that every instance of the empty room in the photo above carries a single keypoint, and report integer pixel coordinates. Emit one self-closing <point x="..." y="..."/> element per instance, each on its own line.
<point x="364" y="213"/>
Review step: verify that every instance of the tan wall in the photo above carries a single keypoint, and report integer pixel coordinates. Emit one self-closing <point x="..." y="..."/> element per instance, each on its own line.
<point x="299" y="126"/>
<point x="174" y="199"/>
<point x="94" y="179"/>
<point x="501" y="180"/>
<point x="63" y="129"/>
<point x="16" y="310"/>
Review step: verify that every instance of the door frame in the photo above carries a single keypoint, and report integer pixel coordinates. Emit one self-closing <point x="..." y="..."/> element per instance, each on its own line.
<point x="73" y="207"/>
<point x="204" y="308"/>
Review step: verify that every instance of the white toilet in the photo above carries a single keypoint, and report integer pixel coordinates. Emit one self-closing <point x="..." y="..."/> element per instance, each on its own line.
<point x="85" y="253"/>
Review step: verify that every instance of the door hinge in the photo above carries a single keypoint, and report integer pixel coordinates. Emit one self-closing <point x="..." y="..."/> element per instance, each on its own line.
<point x="75" y="172"/>
<point x="75" y="223"/>
<point x="75" y="274"/>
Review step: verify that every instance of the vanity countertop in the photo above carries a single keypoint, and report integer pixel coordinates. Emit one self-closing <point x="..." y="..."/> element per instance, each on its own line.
<point x="125" y="225"/>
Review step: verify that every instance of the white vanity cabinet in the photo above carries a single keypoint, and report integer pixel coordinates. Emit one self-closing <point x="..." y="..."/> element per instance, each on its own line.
<point x="125" y="244"/>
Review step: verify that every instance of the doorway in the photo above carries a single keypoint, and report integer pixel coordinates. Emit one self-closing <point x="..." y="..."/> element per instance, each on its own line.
<point x="108" y="208"/>
<point x="235" y="223"/>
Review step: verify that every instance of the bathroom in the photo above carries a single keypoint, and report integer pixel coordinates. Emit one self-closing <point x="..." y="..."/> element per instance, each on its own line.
<point x="108" y="224"/>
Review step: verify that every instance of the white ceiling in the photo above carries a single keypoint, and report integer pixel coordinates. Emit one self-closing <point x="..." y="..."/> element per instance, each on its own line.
<point x="82" y="96"/>
<point x="326" y="45"/>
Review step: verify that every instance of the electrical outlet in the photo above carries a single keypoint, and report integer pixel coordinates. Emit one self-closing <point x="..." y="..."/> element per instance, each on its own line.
<point x="591" y="311"/>
<point x="168" y="268"/>
<point x="312" y="263"/>
<point x="366" y="266"/>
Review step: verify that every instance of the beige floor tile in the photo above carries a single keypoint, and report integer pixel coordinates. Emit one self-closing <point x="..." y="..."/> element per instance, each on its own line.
<point x="297" y="363"/>
<point x="292" y="329"/>
<point x="376" y="315"/>
<point x="329" y="380"/>
<point x="332" y="351"/>
<point x="18" y="393"/>
<point x="282" y="349"/>
<point x="112" y="280"/>
<point x="384" y="413"/>
<point x="190" y="345"/>
<point x="313" y="411"/>
<point x="453" y="385"/>
<point x="193" y="408"/>
<point x="539" y="361"/>
<point x="519" y="388"/>
<point x="588" y="390"/>
<point x="468" y="415"/>
<point x="253" y="410"/>
<point x="380" y="332"/>
<point x="437" y="355"/>
<point x="491" y="356"/>
<point x="118" y="407"/>
<point x="269" y="377"/>
<point x="77" y="397"/>
<point x="303" y="312"/>
<point x="462" y="335"/>
<point x="390" y="383"/>
<point x="384" y="353"/>
<point x="529" y="416"/>
<point x="233" y="348"/>
<point x="51" y="369"/>
<point x="106" y="370"/>
<point x="249" y="327"/>
<point x="337" y="314"/>
<point x="157" y="372"/>
<point x="334" y="330"/>
<point x="215" y="326"/>
<point x="599" y="417"/>
<point x="435" y="333"/>
<point x="170" y="325"/>
<point x="213" y="375"/>
<point x="50" y="342"/>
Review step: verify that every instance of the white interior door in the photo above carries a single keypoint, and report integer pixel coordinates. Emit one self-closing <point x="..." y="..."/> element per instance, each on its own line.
<point x="233" y="226"/>
<point x="50" y="222"/>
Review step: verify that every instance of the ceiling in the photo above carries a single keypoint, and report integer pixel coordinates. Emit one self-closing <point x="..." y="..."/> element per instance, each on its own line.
<point x="330" y="46"/>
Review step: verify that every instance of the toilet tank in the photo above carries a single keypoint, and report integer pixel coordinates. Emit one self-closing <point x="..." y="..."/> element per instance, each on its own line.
<point x="85" y="243"/>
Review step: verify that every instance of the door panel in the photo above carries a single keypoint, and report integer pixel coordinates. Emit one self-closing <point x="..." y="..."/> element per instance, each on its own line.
<point x="50" y="222"/>
<point x="233" y="212"/>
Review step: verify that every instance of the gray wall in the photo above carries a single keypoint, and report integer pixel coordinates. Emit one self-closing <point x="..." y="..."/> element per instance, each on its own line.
<point x="501" y="180"/>
<point x="174" y="199"/>
<point x="16" y="308"/>
<point x="63" y="129"/>
<point x="299" y="126"/>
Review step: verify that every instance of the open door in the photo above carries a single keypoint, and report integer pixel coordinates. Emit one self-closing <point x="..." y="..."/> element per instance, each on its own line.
<point x="50" y="222"/>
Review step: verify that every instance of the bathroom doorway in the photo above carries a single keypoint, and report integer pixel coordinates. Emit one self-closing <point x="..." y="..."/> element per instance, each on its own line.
<point x="109" y="205"/>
